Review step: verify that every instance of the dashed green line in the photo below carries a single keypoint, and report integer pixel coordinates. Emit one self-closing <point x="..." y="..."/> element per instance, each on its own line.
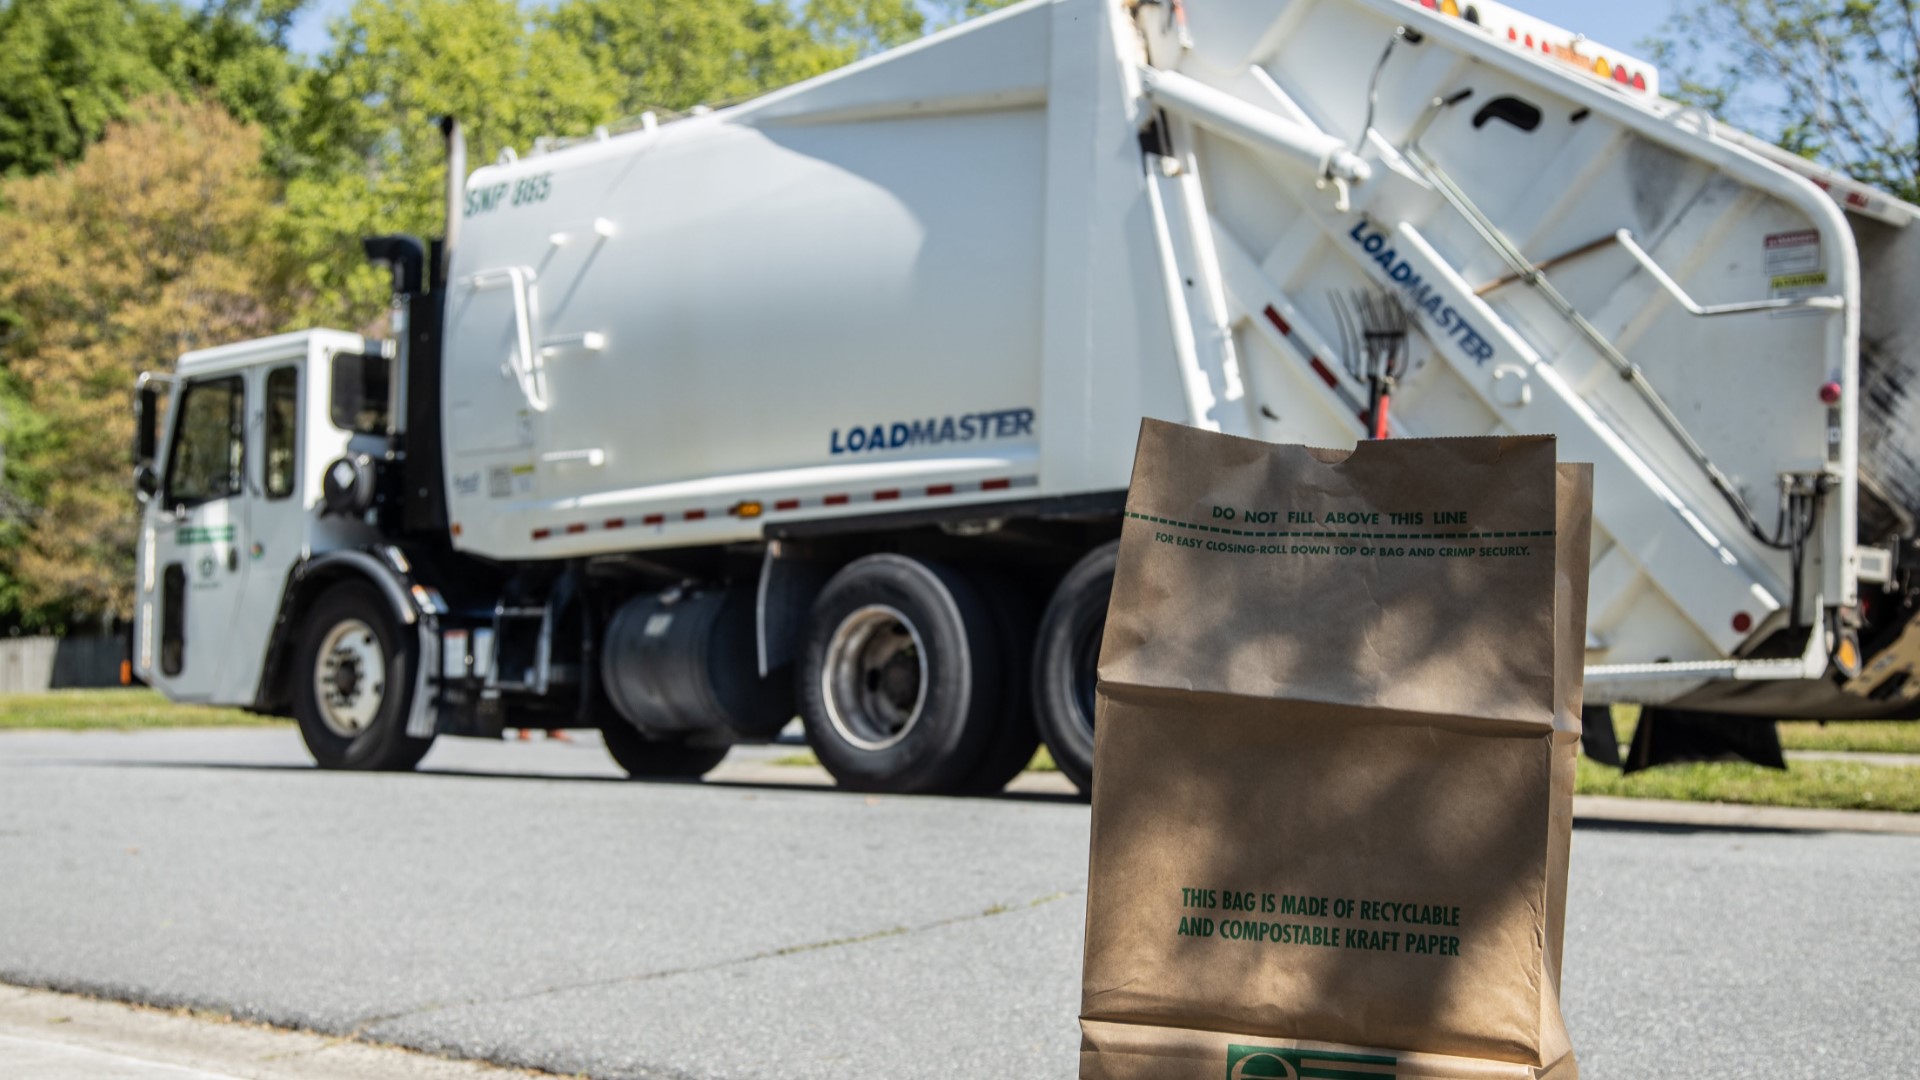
<point x="1340" y="535"/>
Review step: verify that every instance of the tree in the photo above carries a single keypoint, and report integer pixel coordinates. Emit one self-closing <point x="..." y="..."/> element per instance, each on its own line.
<point x="368" y="154"/>
<point x="158" y="241"/>
<point x="675" y="54"/>
<point x="1837" y="81"/>
<point x="72" y="66"/>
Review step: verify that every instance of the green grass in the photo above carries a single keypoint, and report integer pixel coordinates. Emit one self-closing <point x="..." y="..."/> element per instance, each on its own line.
<point x="1847" y="736"/>
<point x="1836" y="785"/>
<point x="1877" y="736"/>
<point x="1833" y="785"/>
<point x="117" y="710"/>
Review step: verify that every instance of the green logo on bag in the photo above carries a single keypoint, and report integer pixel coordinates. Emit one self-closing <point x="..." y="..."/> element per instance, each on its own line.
<point x="1273" y="1063"/>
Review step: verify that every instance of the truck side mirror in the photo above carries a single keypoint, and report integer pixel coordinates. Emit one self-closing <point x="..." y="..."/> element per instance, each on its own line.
<point x="146" y="439"/>
<point x="146" y="481"/>
<point x="147" y="425"/>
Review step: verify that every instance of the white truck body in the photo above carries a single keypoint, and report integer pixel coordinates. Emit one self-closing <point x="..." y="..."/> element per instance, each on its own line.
<point x="953" y="277"/>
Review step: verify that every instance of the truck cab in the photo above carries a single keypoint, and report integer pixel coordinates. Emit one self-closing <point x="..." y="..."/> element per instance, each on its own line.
<point x="235" y="446"/>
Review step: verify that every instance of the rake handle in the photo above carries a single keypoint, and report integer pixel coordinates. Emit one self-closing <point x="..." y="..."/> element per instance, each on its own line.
<point x="1380" y="392"/>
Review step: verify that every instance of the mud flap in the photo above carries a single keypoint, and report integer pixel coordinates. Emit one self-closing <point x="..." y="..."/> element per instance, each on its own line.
<point x="1598" y="740"/>
<point x="423" y="718"/>
<point x="1671" y="736"/>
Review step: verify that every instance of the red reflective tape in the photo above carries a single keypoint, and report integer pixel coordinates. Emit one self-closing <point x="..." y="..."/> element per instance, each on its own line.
<point x="542" y="534"/>
<point x="696" y="515"/>
<point x="576" y="528"/>
<point x="885" y="494"/>
<point x="615" y="523"/>
<point x="1278" y="322"/>
<point x="787" y="504"/>
<point x="654" y="519"/>
<point x="1854" y="198"/>
<point x="940" y="489"/>
<point x="995" y="485"/>
<point x="1322" y="370"/>
<point x="835" y="500"/>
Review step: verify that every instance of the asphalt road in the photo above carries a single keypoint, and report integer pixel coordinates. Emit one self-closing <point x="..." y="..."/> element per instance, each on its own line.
<point x="520" y="905"/>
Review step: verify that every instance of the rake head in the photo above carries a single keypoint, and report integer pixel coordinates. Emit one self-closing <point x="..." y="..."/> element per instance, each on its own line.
<point x="1373" y="334"/>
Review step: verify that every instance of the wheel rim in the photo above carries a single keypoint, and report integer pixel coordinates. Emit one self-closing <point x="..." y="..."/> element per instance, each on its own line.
<point x="1086" y="668"/>
<point x="349" y="678"/>
<point x="875" y="679"/>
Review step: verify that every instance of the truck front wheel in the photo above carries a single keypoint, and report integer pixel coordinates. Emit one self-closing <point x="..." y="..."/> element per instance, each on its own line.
<point x="353" y="684"/>
<point x="1067" y="659"/>
<point x="899" y="682"/>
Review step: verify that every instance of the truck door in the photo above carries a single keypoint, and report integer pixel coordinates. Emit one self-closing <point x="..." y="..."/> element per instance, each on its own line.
<point x="201" y="536"/>
<point x="276" y="524"/>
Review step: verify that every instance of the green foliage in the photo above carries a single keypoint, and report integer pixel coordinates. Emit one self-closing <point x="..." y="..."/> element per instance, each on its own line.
<point x="1837" y="81"/>
<point x="72" y="66"/>
<point x="367" y="151"/>
<point x="157" y="242"/>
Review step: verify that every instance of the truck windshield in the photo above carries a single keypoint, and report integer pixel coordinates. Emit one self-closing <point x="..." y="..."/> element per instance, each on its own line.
<point x="359" y="393"/>
<point x="208" y="445"/>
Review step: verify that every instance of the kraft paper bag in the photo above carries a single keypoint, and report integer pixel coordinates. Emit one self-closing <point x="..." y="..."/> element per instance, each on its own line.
<point x="1338" y="708"/>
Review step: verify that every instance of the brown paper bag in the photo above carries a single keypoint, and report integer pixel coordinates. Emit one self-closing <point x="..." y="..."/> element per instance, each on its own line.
<point x="1338" y="710"/>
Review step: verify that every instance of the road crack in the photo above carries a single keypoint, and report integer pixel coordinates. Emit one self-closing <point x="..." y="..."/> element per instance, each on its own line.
<point x="360" y="1028"/>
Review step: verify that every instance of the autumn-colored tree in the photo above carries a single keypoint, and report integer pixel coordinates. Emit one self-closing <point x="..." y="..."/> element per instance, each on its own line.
<point x="156" y="242"/>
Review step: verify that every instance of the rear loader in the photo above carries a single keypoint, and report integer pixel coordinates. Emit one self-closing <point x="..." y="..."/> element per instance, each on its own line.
<point x="825" y="403"/>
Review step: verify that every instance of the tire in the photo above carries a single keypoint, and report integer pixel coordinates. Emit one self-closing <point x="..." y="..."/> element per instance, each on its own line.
<point x="353" y="682"/>
<point x="657" y="759"/>
<point x="1015" y="617"/>
<point x="899" y="678"/>
<point x="1066" y="661"/>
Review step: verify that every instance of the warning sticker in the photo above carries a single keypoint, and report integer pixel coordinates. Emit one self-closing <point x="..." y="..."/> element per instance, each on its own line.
<point x="1793" y="287"/>
<point x="1793" y="253"/>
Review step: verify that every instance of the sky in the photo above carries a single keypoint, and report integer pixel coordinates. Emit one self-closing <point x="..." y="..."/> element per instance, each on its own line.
<point x="1622" y="24"/>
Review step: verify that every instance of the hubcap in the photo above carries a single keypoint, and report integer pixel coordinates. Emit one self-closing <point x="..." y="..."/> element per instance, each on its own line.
<point x="349" y="678"/>
<point x="875" y="677"/>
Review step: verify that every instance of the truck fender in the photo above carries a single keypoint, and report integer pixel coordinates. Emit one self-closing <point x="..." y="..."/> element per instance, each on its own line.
<point x="307" y="580"/>
<point x="789" y="584"/>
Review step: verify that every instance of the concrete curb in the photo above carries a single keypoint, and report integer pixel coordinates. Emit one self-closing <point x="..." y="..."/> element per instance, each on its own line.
<point x="54" y="1036"/>
<point x="1588" y="810"/>
<point x="1609" y="809"/>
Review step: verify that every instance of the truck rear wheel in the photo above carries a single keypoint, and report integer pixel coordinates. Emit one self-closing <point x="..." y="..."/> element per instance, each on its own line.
<point x="899" y="681"/>
<point x="657" y="759"/>
<point x="353" y="683"/>
<point x="1067" y="659"/>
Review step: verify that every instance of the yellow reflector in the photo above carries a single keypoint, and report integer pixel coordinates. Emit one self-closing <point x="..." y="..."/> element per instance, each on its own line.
<point x="1847" y="656"/>
<point x="748" y="510"/>
<point x="1448" y="7"/>
<point x="1601" y="68"/>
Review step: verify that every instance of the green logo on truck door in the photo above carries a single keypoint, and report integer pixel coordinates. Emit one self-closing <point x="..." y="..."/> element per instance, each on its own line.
<point x="1274" y="1063"/>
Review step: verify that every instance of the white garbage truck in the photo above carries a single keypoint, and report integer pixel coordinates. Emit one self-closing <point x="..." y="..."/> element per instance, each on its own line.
<point x="824" y="404"/>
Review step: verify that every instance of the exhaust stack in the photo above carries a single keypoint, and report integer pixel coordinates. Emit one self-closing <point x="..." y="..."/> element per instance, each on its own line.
<point x="456" y="189"/>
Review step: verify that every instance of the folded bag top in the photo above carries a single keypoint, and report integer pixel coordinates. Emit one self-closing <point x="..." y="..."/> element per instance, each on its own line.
<point x="1417" y="577"/>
